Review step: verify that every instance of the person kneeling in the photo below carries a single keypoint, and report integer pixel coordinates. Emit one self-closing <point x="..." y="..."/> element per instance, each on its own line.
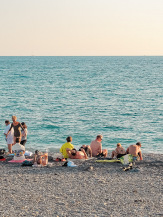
<point x="74" y="154"/>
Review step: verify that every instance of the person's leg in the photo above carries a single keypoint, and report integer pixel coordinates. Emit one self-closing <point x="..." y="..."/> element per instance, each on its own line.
<point x="105" y="152"/>
<point x="10" y="148"/>
<point x="19" y="139"/>
<point x="89" y="150"/>
<point x="14" y="140"/>
<point x="44" y="159"/>
<point x="113" y="154"/>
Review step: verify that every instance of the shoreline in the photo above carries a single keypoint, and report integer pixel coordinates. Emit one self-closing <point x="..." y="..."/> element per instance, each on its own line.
<point x="90" y="189"/>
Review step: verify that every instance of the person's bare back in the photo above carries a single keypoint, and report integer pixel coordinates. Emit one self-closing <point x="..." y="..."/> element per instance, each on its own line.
<point x="135" y="150"/>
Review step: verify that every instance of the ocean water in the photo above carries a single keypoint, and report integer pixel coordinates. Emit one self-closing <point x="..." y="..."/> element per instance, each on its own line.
<point x="118" y="97"/>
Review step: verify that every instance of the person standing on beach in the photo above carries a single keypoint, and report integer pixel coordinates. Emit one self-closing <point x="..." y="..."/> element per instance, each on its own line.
<point x="96" y="147"/>
<point x="17" y="129"/>
<point x="65" y="146"/>
<point x="119" y="151"/>
<point x="23" y="134"/>
<point x="10" y="136"/>
<point x="135" y="151"/>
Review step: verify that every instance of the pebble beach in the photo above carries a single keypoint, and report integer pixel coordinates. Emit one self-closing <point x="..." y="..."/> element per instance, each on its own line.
<point x="90" y="189"/>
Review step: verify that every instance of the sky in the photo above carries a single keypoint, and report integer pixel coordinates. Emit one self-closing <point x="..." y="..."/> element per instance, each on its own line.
<point x="81" y="27"/>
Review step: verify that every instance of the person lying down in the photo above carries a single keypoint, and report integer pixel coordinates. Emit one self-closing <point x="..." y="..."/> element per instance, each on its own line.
<point x="74" y="154"/>
<point x="41" y="159"/>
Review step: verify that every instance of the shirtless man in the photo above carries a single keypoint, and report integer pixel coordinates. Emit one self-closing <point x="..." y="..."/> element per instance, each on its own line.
<point x="119" y="151"/>
<point x="135" y="151"/>
<point x="74" y="154"/>
<point x="96" y="147"/>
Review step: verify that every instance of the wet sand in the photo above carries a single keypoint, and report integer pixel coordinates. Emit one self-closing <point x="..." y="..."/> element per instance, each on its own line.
<point x="90" y="189"/>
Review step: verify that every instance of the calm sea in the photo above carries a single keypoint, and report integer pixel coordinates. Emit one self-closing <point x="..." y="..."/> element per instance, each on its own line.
<point x="118" y="97"/>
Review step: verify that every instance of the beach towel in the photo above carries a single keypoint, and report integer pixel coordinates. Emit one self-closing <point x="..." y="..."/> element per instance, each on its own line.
<point x="108" y="161"/>
<point x="126" y="159"/>
<point x="19" y="161"/>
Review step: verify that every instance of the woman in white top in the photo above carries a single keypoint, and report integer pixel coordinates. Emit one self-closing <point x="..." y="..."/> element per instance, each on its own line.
<point x="23" y="134"/>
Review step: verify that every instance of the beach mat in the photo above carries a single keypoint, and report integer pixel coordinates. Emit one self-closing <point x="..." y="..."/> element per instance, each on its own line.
<point x="19" y="161"/>
<point x="108" y="161"/>
<point x="125" y="160"/>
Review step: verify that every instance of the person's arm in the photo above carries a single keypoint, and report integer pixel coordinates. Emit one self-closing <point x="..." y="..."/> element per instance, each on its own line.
<point x="90" y="151"/>
<point x="68" y="152"/>
<point x="127" y="151"/>
<point x="21" y="126"/>
<point x="85" y="155"/>
<point x="140" y="155"/>
<point x="100" y="148"/>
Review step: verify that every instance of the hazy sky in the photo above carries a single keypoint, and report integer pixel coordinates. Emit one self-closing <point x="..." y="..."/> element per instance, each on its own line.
<point x="81" y="27"/>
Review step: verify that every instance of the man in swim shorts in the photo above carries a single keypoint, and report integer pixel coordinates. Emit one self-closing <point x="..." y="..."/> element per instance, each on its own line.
<point x="74" y="154"/>
<point x="96" y="147"/>
<point x="135" y="151"/>
<point x="65" y="146"/>
<point x="119" y="151"/>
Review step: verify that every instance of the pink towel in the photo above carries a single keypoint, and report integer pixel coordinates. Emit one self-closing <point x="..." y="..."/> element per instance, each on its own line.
<point x="19" y="161"/>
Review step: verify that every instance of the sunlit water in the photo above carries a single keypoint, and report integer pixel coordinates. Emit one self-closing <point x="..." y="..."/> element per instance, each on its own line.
<point x="118" y="97"/>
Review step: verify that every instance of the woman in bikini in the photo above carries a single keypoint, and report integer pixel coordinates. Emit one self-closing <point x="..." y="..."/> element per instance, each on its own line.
<point x="17" y="129"/>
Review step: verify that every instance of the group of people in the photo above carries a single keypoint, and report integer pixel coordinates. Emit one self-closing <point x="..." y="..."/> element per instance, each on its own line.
<point x="15" y="132"/>
<point x="16" y="135"/>
<point x="95" y="150"/>
<point x="134" y="150"/>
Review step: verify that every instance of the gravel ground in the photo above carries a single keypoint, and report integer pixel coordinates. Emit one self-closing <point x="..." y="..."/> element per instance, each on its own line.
<point x="91" y="189"/>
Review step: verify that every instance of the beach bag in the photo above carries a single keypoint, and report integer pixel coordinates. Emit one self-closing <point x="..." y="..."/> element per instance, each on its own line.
<point x="27" y="163"/>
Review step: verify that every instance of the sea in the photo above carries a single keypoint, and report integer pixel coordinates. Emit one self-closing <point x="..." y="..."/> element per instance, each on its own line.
<point x="120" y="97"/>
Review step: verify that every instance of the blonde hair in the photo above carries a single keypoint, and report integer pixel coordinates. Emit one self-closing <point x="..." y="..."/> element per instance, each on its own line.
<point x="14" y="118"/>
<point x="118" y="144"/>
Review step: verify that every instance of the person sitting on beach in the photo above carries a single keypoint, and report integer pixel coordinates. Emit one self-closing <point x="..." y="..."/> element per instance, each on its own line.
<point x="17" y="129"/>
<point x="87" y="150"/>
<point x="40" y="158"/>
<point x="10" y="136"/>
<point x="96" y="147"/>
<point x="23" y="134"/>
<point x="19" y="151"/>
<point x="119" y="151"/>
<point x="135" y="151"/>
<point x="74" y="154"/>
<point x="66" y="145"/>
